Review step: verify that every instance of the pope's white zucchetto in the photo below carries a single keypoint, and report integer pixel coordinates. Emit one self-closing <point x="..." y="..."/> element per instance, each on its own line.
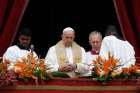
<point x="68" y="29"/>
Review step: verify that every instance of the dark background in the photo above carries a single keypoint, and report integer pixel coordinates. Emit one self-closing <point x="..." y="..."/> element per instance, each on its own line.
<point x="47" y="20"/>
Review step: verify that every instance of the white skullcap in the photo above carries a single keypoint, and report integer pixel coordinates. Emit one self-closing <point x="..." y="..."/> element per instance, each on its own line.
<point x="67" y="29"/>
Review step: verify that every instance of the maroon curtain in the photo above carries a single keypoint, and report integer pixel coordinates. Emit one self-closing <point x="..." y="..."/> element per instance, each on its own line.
<point x="128" y="12"/>
<point x="3" y="4"/>
<point x="11" y="12"/>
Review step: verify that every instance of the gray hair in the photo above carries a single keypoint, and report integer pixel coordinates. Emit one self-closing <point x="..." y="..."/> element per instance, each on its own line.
<point x="95" y="33"/>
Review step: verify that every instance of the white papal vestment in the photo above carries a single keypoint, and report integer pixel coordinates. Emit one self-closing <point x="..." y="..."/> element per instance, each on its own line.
<point x="120" y="49"/>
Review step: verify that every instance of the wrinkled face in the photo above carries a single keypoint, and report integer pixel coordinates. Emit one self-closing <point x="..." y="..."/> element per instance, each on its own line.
<point x="95" y="41"/>
<point x="68" y="38"/>
<point x="24" y="40"/>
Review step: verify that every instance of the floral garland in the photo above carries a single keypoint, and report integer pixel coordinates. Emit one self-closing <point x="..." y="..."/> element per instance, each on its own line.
<point x="25" y="69"/>
<point x="106" y="70"/>
<point x="7" y="77"/>
<point x="30" y="68"/>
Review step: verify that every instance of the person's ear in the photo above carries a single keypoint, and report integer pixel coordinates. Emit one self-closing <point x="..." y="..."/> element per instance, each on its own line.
<point x="89" y="42"/>
<point x="73" y="37"/>
<point x="18" y="38"/>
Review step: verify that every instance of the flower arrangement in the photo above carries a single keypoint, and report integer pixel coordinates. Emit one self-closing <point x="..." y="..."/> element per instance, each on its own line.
<point x="107" y="69"/>
<point x="7" y="77"/>
<point x="131" y="72"/>
<point x="104" y="68"/>
<point x="30" y="68"/>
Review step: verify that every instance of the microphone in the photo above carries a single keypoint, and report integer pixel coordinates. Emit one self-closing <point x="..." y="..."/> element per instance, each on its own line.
<point x="31" y="48"/>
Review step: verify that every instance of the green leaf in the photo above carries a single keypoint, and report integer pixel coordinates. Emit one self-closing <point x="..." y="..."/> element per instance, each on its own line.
<point x="94" y="75"/>
<point x="59" y="74"/>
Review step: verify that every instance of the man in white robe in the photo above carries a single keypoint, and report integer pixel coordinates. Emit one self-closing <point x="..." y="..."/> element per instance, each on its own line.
<point x="21" y="49"/>
<point x="67" y="56"/>
<point x="118" y="48"/>
<point x="95" y="39"/>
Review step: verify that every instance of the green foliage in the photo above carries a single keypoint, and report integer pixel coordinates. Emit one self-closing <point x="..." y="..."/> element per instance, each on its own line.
<point x="59" y="74"/>
<point x="101" y="78"/>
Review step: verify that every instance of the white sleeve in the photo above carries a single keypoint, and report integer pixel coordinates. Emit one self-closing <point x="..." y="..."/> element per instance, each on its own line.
<point x="10" y="55"/>
<point x="83" y="55"/>
<point x="51" y="60"/>
<point x="82" y="67"/>
<point x="132" y="59"/>
<point x="128" y="56"/>
<point x="88" y="58"/>
<point x="105" y="48"/>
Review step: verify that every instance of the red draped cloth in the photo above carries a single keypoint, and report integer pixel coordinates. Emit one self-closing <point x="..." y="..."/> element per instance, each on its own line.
<point x="82" y="85"/>
<point x="128" y="12"/>
<point x="11" y="12"/>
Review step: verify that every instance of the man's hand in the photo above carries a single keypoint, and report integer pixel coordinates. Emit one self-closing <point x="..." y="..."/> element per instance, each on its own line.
<point x="68" y="68"/>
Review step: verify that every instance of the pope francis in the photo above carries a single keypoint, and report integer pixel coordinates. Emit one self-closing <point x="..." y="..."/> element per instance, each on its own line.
<point x="67" y="56"/>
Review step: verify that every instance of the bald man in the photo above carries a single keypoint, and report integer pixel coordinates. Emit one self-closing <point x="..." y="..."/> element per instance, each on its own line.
<point x="67" y="56"/>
